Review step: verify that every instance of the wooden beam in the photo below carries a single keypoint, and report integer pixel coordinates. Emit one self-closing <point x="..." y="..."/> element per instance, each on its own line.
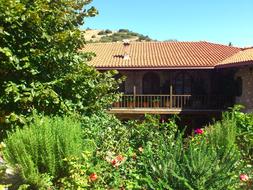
<point x="134" y="90"/>
<point x="161" y="111"/>
<point x="171" y="95"/>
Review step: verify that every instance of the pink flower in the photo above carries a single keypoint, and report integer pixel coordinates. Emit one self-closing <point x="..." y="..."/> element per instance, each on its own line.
<point x="93" y="177"/>
<point x="244" y="177"/>
<point x="199" y="131"/>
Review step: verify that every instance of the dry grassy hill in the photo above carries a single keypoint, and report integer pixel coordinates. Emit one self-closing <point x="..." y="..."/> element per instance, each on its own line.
<point x="113" y="36"/>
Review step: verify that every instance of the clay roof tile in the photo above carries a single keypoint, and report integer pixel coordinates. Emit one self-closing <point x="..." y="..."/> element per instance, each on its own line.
<point x="159" y="55"/>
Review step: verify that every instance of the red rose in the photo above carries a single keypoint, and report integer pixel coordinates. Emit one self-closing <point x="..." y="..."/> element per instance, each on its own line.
<point x="114" y="162"/>
<point x="93" y="177"/>
<point x="199" y="131"/>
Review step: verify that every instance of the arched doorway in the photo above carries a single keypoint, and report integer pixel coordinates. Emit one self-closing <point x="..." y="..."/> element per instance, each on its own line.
<point x="151" y="83"/>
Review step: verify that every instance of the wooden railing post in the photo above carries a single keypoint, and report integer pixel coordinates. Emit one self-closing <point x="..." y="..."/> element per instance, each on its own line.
<point x="134" y="96"/>
<point x="171" y="95"/>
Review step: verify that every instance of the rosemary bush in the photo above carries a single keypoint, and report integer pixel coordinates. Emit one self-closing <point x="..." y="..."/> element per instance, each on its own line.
<point x="38" y="150"/>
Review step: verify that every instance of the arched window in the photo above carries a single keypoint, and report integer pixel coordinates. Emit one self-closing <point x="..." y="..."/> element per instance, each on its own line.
<point x="151" y="83"/>
<point x="183" y="84"/>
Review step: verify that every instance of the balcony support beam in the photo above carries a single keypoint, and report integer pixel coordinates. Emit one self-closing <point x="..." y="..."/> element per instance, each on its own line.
<point x="171" y="95"/>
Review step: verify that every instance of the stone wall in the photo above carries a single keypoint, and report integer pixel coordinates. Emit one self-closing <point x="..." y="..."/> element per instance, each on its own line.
<point x="246" y="98"/>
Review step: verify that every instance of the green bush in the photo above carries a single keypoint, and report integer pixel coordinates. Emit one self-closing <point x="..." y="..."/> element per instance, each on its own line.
<point x="148" y="154"/>
<point x="150" y="131"/>
<point x="102" y="32"/>
<point x="244" y="123"/>
<point x="106" y="132"/>
<point x="244" y="140"/>
<point x="38" y="150"/>
<point x="207" y="161"/>
<point x="123" y="30"/>
<point x="222" y="135"/>
<point x="144" y="38"/>
<point x="121" y="35"/>
<point x="108" y="31"/>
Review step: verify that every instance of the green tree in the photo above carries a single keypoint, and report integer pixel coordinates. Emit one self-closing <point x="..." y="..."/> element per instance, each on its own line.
<point x="41" y="65"/>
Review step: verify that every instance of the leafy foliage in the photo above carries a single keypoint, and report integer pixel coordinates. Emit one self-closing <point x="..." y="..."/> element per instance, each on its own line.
<point x="153" y="154"/>
<point x="38" y="150"/>
<point x="106" y="132"/>
<point x="244" y="123"/>
<point x="207" y="161"/>
<point x="123" y="34"/>
<point x="41" y="65"/>
<point x="244" y="140"/>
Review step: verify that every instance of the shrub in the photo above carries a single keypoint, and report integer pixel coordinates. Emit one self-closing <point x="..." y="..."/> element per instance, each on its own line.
<point x="206" y="161"/>
<point x="124" y="30"/>
<point x="222" y="135"/>
<point x="107" y="132"/>
<point x="107" y="141"/>
<point x="93" y="36"/>
<point x="38" y="149"/>
<point x="102" y="32"/>
<point x="108" y="31"/>
<point x="244" y="123"/>
<point x="150" y="131"/>
<point x="144" y="38"/>
<point x="244" y="140"/>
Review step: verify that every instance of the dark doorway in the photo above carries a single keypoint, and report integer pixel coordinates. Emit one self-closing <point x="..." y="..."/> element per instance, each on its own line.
<point x="151" y="83"/>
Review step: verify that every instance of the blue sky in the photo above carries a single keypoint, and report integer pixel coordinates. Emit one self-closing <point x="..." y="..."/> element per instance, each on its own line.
<point x="219" y="21"/>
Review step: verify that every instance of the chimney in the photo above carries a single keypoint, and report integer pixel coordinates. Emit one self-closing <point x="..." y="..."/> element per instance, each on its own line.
<point x="126" y="44"/>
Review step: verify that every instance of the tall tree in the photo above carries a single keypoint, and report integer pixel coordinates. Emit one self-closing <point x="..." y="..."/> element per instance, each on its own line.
<point x="41" y="67"/>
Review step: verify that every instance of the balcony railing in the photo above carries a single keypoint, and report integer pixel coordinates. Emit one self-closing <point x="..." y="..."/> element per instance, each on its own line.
<point x="173" y="102"/>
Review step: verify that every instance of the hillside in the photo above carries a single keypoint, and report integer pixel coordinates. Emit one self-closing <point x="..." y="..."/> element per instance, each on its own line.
<point x="92" y="36"/>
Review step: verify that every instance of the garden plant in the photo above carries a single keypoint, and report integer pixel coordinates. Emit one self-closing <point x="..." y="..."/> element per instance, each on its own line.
<point x="57" y="134"/>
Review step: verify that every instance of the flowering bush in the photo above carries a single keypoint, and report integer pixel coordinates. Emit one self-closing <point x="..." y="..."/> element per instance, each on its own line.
<point x="244" y="140"/>
<point x="244" y="177"/>
<point x="155" y="155"/>
<point x="199" y="131"/>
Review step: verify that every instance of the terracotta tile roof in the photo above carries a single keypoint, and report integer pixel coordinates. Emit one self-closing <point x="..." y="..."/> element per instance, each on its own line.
<point x="241" y="58"/>
<point x="163" y="55"/>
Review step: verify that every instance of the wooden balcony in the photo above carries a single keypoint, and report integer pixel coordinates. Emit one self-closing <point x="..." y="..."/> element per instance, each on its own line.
<point x="170" y="104"/>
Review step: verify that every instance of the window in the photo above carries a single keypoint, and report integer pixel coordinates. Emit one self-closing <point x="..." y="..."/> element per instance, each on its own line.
<point x="183" y="84"/>
<point x="238" y="82"/>
<point x="151" y="83"/>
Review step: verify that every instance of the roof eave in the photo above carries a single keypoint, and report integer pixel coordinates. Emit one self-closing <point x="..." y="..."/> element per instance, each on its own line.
<point x="153" y="68"/>
<point x="237" y="64"/>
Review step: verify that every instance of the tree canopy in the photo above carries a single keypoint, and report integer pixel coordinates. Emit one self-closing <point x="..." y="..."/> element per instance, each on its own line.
<point x="41" y="65"/>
